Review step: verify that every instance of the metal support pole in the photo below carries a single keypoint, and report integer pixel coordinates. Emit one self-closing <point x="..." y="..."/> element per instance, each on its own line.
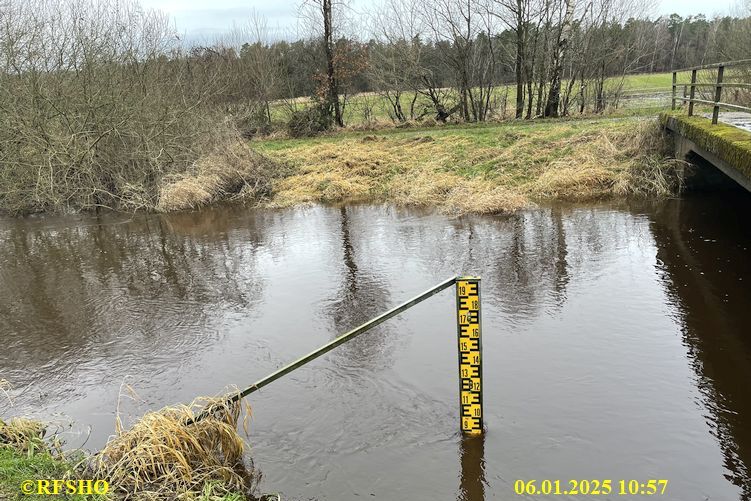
<point x="717" y="95"/>
<point x="331" y="345"/>
<point x="693" y="93"/>
<point x="674" y="89"/>
<point x="470" y="354"/>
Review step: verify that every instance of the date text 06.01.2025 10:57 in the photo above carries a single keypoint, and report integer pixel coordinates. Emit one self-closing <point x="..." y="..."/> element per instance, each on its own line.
<point x="591" y="487"/>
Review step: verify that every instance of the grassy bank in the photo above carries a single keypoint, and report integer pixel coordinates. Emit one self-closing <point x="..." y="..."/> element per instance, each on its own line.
<point x="16" y="467"/>
<point x="462" y="168"/>
<point x="159" y="458"/>
<point x="25" y="455"/>
<point x="488" y="168"/>
<point x="119" y="114"/>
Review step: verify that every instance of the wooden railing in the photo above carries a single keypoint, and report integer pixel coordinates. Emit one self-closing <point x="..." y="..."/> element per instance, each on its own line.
<point x="719" y="84"/>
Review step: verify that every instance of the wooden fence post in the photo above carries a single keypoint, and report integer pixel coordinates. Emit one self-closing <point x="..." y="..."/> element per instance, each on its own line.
<point x="674" y="86"/>
<point x="693" y="93"/>
<point x="717" y="95"/>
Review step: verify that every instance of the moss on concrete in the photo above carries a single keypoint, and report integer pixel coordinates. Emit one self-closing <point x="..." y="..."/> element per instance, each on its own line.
<point x="731" y="144"/>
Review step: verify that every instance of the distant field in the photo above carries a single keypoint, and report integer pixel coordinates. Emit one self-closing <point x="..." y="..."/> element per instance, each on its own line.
<point x="648" y="81"/>
<point x="368" y="108"/>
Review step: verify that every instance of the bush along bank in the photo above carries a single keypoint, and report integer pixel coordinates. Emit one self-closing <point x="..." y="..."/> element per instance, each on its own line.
<point x="110" y="112"/>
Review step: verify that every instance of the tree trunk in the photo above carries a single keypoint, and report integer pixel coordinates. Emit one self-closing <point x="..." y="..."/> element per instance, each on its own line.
<point x="519" y="58"/>
<point x="333" y="85"/>
<point x="540" y="90"/>
<point x="530" y="85"/>
<point x="412" y="107"/>
<point x="559" y="56"/>
<point x="464" y="102"/>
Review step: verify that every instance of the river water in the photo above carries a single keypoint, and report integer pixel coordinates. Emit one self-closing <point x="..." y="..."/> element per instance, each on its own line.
<point x="616" y="340"/>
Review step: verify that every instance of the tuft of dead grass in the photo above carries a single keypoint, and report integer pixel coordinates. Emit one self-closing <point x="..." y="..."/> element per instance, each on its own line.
<point x="234" y="171"/>
<point x="563" y="181"/>
<point x="485" y="198"/>
<point x="651" y="177"/>
<point x="23" y="435"/>
<point x="619" y="161"/>
<point x="454" y="194"/>
<point x="162" y="457"/>
<point x="419" y="187"/>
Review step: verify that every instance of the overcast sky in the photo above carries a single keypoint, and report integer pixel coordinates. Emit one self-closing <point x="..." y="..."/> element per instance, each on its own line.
<point x="200" y="19"/>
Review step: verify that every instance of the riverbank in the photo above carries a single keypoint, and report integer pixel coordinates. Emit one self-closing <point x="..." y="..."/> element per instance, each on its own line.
<point x="25" y="455"/>
<point x="17" y="467"/>
<point x="159" y="458"/>
<point x="484" y="168"/>
<point x="491" y="168"/>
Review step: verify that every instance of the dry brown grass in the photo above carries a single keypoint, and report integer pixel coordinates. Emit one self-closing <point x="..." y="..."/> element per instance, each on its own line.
<point x="485" y="198"/>
<point x="568" y="182"/>
<point x="589" y="174"/>
<point x="484" y="170"/>
<point x="626" y="162"/>
<point x="233" y="171"/>
<point x="453" y="193"/>
<point x="21" y="434"/>
<point x="162" y="457"/>
<point x="606" y="162"/>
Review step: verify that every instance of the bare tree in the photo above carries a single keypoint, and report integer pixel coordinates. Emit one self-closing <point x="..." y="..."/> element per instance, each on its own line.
<point x="465" y="27"/>
<point x="260" y="64"/>
<point x="395" y="63"/>
<point x="325" y="27"/>
<point x="516" y="15"/>
<point x="559" y="58"/>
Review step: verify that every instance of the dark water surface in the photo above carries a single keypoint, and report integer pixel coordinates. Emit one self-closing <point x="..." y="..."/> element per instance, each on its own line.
<point x="616" y="340"/>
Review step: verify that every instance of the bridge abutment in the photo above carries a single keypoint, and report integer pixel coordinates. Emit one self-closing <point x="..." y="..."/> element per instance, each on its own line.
<point x="724" y="147"/>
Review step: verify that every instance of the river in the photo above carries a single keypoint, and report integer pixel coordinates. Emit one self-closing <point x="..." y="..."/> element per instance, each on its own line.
<point x="616" y="340"/>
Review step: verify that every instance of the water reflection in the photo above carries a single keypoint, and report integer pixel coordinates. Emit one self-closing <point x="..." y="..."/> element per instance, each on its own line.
<point x="704" y="248"/>
<point x="525" y="256"/>
<point x="472" y="478"/>
<point x="360" y="295"/>
<point x="102" y="291"/>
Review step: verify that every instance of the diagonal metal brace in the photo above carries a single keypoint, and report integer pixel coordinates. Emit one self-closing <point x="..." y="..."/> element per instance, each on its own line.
<point x="331" y="345"/>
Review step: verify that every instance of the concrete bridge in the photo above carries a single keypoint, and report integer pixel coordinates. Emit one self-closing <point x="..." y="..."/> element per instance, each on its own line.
<point x="722" y="139"/>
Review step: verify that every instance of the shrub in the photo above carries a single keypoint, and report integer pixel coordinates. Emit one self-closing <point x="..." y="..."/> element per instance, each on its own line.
<point x="251" y="119"/>
<point x="309" y="122"/>
<point x="100" y="105"/>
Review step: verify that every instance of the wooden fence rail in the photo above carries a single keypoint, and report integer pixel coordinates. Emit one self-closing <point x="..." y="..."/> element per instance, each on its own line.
<point x="690" y="88"/>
